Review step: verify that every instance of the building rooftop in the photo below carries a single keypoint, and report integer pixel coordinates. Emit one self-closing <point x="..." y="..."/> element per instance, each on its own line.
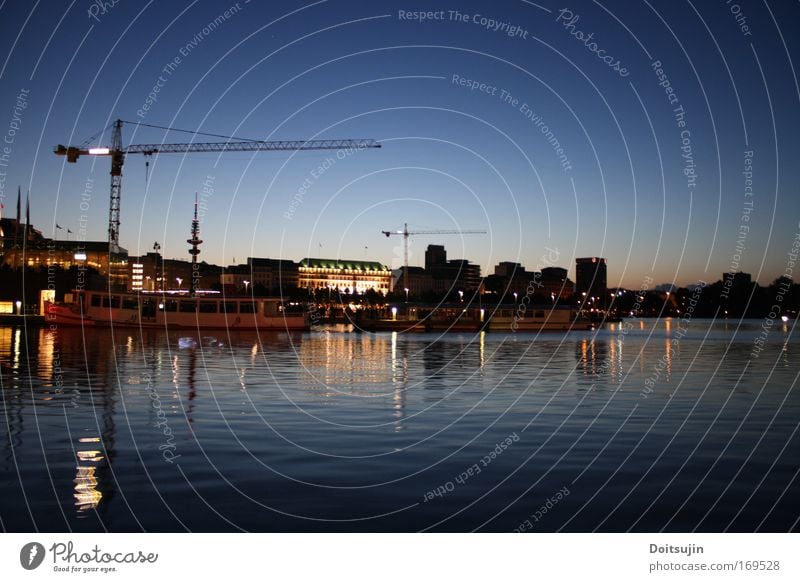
<point x="343" y="264"/>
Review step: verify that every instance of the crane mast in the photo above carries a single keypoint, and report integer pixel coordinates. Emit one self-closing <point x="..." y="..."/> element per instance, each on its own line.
<point x="117" y="161"/>
<point x="117" y="153"/>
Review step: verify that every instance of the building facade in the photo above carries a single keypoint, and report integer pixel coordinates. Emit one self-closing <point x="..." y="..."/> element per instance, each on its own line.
<point x="24" y="246"/>
<point x="273" y="274"/>
<point x="346" y="276"/>
<point x="591" y="276"/>
<point x="555" y="283"/>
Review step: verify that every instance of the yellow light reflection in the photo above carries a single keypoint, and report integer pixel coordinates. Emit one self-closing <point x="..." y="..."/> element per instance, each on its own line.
<point x="585" y="356"/>
<point x="90" y="456"/>
<point x="668" y="359"/>
<point x="86" y="494"/>
<point x="482" y="349"/>
<point x="16" y="342"/>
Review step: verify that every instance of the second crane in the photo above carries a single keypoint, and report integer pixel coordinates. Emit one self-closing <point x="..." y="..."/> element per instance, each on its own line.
<point x="406" y="233"/>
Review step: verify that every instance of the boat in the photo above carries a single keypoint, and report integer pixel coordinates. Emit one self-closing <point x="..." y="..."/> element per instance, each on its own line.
<point x="398" y="325"/>
<point x="160" y="310"/>
<point x="458" y="318"/>
<point x="535" y="318"/>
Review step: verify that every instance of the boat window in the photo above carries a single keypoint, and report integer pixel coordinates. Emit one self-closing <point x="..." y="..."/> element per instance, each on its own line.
<point x="111" y="301"/>
<point x="228" y="306"/>
<point x="95" y="301"/>
<point x="188" y="306"/>
<point x="539" y="314"/>
<point x="148" y="307"/>
<point x="247" y="307"/>
<point x="208" y="307"/>
<point x="130" y="303"/>
<point x="170" y="305"/>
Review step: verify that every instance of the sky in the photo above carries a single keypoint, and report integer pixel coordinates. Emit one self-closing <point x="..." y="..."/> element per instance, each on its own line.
<point x="662" y="136"/>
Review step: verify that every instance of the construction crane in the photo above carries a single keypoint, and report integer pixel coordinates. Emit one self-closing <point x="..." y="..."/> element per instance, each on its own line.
<point x="117" y="153"/>
<point x="405" y="233"/>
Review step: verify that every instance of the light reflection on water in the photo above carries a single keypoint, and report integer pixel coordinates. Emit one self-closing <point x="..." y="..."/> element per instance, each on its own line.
<point x="340" y="431"/>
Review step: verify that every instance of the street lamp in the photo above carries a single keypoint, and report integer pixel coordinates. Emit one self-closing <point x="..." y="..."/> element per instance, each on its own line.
<point x="180" y="282"/>
<point x="246" y="283"/>
<point x="156" y="249"/>
<point x="406" y="290"/>
<point x="515" y="297"/>
<point x="461" y="295"/>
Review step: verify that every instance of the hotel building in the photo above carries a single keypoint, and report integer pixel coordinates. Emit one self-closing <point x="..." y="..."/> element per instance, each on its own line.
<point x="344" y="275"/>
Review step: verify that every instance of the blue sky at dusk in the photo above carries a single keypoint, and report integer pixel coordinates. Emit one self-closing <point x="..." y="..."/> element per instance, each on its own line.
<point x="452" y="157"/>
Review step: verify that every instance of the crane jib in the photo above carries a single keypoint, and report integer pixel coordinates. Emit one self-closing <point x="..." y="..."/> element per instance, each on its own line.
<point x="117" y="152"/>
<point x="253" y="146"/>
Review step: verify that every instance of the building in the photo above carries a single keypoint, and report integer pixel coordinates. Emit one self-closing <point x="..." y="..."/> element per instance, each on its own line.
<point x="236" y="279"/>
<point x="273" y="274"/>
<point x="152" y="272"/>
<point x="591" y="276"/>
<point x="435" y="257"/>
<point x="24" y="246"/>
<point x="346" y="276"/>
<point x="419" y="281"/>
<point x="513" y="279"/>
<point x="453" y="275"/>
<point x="556" y="283"/>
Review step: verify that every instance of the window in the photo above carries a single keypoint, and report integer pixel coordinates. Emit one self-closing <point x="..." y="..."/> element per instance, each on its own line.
<point x="95" y="301"/>
<point x="208" y="307"/>
<point x="188" y="306"/>
<point x="130" y="303"/>
<point x="228" y="306"/>
<point x="170" y="305"/>
<point x="539" y="314"/>
<point x="247" y="307"/>
<point x="112" y="301"/>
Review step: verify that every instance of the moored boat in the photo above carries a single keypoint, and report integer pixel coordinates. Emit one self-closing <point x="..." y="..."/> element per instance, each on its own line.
<point x="160" y="310"/>
<point x="535" y="318"/>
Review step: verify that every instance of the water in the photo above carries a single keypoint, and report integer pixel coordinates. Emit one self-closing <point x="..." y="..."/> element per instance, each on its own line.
<point x="630" y="428"/>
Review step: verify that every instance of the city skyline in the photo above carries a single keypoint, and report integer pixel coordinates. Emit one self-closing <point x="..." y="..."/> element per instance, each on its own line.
<point x="546" y="262"/>
<point x="515" y="128"/>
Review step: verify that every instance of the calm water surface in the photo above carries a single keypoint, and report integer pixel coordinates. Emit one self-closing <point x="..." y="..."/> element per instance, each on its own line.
<point x="638" y="428"/>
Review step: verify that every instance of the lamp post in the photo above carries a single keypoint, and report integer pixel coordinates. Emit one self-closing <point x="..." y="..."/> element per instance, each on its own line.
<point x="246" y="283"/>
<point x="156" y="250"/>
<point x="461" y="295"/>
<point x="515" y="297"/>
<point x="180" y="282"/>
<point x="406" y="290"/>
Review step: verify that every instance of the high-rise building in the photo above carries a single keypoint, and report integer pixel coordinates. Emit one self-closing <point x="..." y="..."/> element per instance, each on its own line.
<point x="435" y="257"/>
<point x="591" y="276"/>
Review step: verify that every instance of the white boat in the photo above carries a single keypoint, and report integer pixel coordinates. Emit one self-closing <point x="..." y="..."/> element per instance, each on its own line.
<point x="160" y="310"/>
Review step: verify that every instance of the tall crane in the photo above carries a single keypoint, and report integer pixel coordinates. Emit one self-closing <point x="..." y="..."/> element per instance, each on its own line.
<point x="117" y="153"/>
<point x="406" y="233"/>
